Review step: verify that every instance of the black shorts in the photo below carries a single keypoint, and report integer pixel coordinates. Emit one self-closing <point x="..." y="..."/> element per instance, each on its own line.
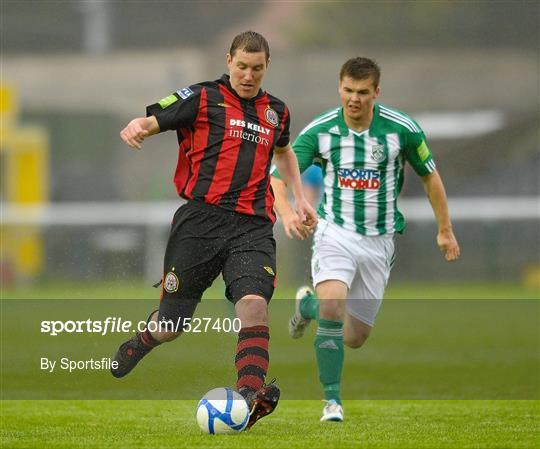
<point x="207" y="240"/>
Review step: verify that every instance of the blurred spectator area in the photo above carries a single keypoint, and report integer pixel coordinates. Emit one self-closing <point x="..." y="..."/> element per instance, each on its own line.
<point x="85" y="100"/>
<point x="467" y="71"/>
<point x="67" y="25"/>
<point x="84" y="68"/>
<point x="60" y="26"/>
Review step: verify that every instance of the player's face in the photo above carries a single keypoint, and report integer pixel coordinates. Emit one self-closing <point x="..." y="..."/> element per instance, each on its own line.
<point x="247" y="72"/>
<point x="357" y="97"/>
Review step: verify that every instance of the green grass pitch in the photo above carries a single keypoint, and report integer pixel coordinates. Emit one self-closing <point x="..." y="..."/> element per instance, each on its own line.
<point x="369" y="424"/>
<point x="434" y="374"/>
<point x="136" y="289"/>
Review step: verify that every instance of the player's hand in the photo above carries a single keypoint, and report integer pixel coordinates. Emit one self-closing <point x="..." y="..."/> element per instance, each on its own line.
<point x="293" y="226"/>
<point x="448" y="245"/>
<point x="134" y="134"/>
<point x="307" y="215"/>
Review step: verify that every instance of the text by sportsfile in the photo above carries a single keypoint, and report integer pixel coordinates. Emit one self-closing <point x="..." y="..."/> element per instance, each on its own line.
<point x="66" y="364"/>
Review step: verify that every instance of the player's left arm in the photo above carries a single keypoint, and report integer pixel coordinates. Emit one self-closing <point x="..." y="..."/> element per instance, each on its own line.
<point x="287" y="166"/>
<point x="436" y="193"/>
<point x="419" y="156"/>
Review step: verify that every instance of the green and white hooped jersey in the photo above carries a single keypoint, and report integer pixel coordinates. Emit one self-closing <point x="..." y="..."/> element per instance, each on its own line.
<point x="363" y="172"/>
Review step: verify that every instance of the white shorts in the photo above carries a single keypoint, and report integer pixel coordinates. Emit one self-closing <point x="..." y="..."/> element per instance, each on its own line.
<point x="363" y="263"/>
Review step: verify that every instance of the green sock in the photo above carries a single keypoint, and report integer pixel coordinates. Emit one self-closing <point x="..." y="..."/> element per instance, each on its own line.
<point x="309" y="307"/>
<point x="330" y="356"/>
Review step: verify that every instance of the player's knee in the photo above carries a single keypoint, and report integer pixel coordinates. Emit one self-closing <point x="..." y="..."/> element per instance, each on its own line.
<point x="331" y="309"/>
<point x="357" y="340"/>
<point x="252" y="310"/>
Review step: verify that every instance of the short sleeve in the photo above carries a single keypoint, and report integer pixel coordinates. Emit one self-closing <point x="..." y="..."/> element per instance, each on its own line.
<point x="178" y="110"/>
<point x="418" y="154"/>
<point x="306" y="148"/>
<point x="284" y="137"/>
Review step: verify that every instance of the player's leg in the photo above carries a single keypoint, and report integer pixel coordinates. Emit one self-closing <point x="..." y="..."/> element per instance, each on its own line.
<point x="306" y="304"/>
<point x="306" y="308"/>
<point x="324" y="246"/>
<point x="133" y="350"/>
<point x="167" y="323"/>
<point x="367" y="289"/>
<point x="249" y="274"/>
<point x="333" y="269"/>
<point x="361" y="311"/>
<point x="252" y="358"/>
<point x="189" y="269"/>
<point x="355" y="332"/>
<point x="329" y="350"/>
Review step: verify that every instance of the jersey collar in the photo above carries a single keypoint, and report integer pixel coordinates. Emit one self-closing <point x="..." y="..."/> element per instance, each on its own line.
<point x="344" y="129"/>
<point x="226" y="80"/>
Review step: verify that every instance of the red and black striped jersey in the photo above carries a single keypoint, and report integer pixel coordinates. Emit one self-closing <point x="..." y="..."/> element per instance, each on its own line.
<point x="225" y="144"/>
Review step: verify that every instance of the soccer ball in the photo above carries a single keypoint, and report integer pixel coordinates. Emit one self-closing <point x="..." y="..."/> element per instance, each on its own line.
<point x="221" y="411"/>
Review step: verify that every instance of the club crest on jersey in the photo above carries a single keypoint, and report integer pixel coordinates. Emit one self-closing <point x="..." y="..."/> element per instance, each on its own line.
<point x="377" y="153"/>
<point x="271" y="116"/>
<point x="171" y="283"/>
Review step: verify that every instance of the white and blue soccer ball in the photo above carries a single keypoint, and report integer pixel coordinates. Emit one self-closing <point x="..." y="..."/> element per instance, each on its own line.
<point x="221" y="411"/>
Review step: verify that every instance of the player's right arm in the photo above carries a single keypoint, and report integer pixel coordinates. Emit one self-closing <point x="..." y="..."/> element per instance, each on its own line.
<point x="139" y="129"/>
<point x="178" y="110"/>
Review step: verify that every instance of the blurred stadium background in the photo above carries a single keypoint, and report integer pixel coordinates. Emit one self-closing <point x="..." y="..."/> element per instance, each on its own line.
<point x="78" y="207"/>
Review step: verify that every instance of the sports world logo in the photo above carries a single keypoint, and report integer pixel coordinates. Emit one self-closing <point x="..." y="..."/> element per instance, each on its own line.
<point x="359" y="179"/>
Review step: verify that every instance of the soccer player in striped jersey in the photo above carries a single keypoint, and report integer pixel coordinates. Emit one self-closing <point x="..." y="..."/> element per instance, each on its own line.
<point x="362" y="148"/>
<point x="228" y="131"/>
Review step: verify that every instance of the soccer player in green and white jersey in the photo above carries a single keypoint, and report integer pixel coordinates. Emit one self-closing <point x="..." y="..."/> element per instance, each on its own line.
<point x="362" y="148"/>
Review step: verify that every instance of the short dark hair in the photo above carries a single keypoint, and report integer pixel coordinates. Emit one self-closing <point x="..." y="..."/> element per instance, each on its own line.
<point x="361" y="69"/>
<point x="250" y="42"/>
